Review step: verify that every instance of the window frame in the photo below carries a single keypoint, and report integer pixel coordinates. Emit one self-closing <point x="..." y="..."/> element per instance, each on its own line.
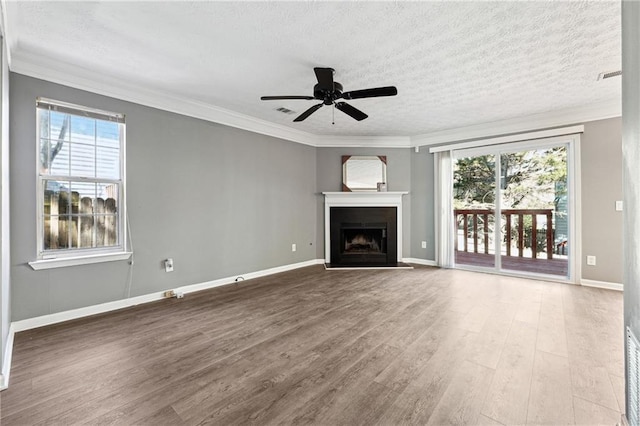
<point x="76" y="255"/>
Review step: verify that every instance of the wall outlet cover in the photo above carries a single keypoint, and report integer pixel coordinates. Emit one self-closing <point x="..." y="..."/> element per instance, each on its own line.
<point x="293" y="247"/>
<point x="591" y="260"/>
<point x="168" y="265"/>
<point x="424" y="244"/>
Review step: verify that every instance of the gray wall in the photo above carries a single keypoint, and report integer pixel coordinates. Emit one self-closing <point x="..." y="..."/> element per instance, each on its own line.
<point x="601" y="158"/>
<point x="422" y="205"/>
<point x="329" y="178"/>
<point x="631" y="166"/>
<point x="220" y="201"/>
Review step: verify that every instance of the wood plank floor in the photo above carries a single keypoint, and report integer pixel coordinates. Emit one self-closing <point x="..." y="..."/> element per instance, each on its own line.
<point x="421" y="346"/>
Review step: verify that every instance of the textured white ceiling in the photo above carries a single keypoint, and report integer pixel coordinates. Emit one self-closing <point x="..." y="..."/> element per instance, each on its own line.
<point x="455" y="64"/>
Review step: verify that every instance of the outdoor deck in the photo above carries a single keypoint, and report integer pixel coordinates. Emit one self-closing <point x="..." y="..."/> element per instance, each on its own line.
<point x="529" y="233"/>
<point x="555" y="266"/>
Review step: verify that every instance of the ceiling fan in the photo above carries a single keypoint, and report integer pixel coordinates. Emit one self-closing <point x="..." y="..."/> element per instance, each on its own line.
<point x="329" y="91"/>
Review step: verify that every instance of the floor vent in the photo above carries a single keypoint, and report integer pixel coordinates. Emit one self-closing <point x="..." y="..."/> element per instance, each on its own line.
<point x="633" y="378"/>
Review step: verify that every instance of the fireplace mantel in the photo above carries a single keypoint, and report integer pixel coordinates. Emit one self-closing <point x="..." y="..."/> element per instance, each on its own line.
<point x="364" y="199"/>
<point x="361" y="199"/>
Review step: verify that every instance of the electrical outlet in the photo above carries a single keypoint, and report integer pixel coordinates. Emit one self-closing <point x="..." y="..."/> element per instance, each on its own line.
<point x="424" y="244"/>
<point x="618" y="206"/>
<point x="293" y="247"/>
<point x="169" y="294"/>
<point x="168" y="265"/>
<point x="591" y="260"/>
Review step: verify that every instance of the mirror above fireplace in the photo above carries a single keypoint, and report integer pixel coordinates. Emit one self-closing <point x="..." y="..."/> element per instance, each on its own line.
<point x="363" y="173"/>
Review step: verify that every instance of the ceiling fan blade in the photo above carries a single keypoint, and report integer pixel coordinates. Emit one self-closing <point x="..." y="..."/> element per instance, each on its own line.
<point x="352" y="111"/>
<point x="274" y="98"/>
<point x="308" y="112"/>
<point x="371" y="93"/>
<point x="325" y="77"/>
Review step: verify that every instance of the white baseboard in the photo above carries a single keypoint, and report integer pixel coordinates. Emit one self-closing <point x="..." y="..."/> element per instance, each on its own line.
<point x="248" y="276"/>
<point x="420" y="261"/>
<point x="8" y="353"/>
<point x="58" y="317"/>
<point x="602" y="284"/>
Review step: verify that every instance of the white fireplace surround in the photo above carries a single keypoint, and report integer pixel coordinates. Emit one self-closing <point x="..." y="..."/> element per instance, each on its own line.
<point x="361" y="199"/>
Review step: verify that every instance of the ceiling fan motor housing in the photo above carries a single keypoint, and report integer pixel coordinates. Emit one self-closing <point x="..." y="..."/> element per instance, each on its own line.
<point x="328" y="95"/>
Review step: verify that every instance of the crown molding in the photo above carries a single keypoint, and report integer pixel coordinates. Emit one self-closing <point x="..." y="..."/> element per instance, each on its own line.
<point x="80" y="78"/>
<point x="363" y="141"/>
<point x="546" y="120"/>
<point x="4" y="31"/>
<point x="84" y="79"/>
<point x="3" y="22"/>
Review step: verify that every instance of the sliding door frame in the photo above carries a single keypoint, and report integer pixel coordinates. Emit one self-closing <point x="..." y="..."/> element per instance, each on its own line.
<point x="572" y="143"/>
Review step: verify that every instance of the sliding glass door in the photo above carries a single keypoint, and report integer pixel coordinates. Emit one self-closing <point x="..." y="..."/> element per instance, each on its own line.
<point x="474" y="204"/>
<point x="533" y="198"/>
<point x="511" y="209"/>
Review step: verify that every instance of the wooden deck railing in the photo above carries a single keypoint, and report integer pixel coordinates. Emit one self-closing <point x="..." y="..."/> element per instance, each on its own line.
<point x="480" y="218"/>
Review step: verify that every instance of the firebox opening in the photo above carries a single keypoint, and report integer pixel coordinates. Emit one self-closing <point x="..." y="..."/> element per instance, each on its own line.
<point x="363" y="236"/>
<point x="364" y="239"/>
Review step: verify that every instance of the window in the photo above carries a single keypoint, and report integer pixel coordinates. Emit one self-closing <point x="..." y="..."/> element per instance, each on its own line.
<point x="80" y="180"/>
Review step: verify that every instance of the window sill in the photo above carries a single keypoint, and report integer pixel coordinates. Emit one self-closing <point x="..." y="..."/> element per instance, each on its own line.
<point x="62" y="262"/>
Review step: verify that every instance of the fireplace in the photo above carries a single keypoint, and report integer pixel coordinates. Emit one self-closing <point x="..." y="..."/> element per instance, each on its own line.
<point x="363" y="229"/>
<point x="363" y="236"/>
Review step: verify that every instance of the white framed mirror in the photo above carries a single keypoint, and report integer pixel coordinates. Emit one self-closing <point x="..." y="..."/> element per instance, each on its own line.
<point x="363" y="173"/>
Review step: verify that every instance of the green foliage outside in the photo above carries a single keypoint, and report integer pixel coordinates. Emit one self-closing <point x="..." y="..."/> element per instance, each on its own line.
<point x="528" y="180"/>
